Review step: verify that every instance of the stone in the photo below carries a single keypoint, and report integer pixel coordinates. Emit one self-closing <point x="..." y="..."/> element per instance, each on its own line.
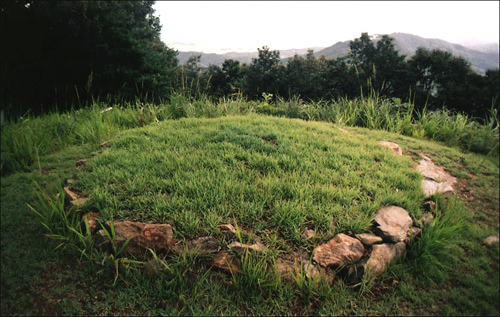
<point x="227" y="262"/>
<point x="91" y="221"/>
<point x="309" y="234"/>
<point x="79" y="202"/>
<point x="80" y="163"/>
<point x="425" y="220"/>
<point x="429" y="170"/>
<point x="201" y="245"/>
<point x="394" y="147"/>
<point x="341" y="250"/>
<point x="393" y="223"/>
<point x="71" y="194"/>
<point x="412" y="234"/>
<point x="241" y="247"/>
<point x="382" y="256"/>
<point x="227" y="228"/>
<point x="436" y="179"/>
<point x="491" y="240"/>
<point x="431" y="187"/>
<point x="142" y="236"/>
<point x="102" y="144"/>
<point x="368" y="238"/>
<point x="430" y="205"/>
<point x="290" y="270"/>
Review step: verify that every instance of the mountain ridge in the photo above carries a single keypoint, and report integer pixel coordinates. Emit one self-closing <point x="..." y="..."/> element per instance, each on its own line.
<point x="481" y="57"/>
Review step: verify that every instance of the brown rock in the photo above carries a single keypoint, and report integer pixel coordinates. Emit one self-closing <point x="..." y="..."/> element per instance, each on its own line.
<point x="412" y="234"/>
<point x="227" y="228"/>
<point x="227" y="262"/>
<point x="71" y="194"/>
<point x="201" y="245"/>
<point x="382" y="256"/>
<point x="142" y="236"/>
<point x="394" y="147"/>
<point x="157" y="236"/>
<point x="309" y="234"/>
<point x="241" y="247"/>
<point x="425" y="220"/>
<point x="79" y="202"/>
<point x="341" y="250"/>
<point x="491" y="240"/>
<point x="430" y="205"/>
<point x="368" y="238"/>
<point x="393" y="223"/>
<point x="91" y="221"/>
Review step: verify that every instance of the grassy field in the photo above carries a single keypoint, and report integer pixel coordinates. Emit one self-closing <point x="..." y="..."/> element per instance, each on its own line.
<point x="273" y="177"/>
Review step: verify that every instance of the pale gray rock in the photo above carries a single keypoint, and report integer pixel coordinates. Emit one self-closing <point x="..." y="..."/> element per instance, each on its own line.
<point x="491" y="240"/>
<point x="393" y="223"/>
<point x="436" y="179"/>
<point x="382" y="256"/>
<point x="241" y="247"/>
<point x="227" y="262"/>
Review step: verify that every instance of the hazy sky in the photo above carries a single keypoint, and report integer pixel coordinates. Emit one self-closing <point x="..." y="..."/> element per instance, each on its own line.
<point x="218" y="26"/>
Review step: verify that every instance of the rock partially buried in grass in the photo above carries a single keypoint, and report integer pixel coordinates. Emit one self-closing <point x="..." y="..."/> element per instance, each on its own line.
<point x="394" y="147"/>
<point x="491" y="240"/>
<point x="393" y="223"/>
<point x="341" y="250"/>
<point x="369" y="238"/>
<point x="142" y="236"/>
<point x="91" y="221"/>
<point x="201" y="245"/>
<point x="382" y="256"/>
<point x="73" y="198"/>
<point x="241" y="247"/>
<point x="227" y="262"/>
<point x="431" y="187"/>
<point x="436" y="179"/>
<point x="227" y="228"/>
<point x="425" y="220"/>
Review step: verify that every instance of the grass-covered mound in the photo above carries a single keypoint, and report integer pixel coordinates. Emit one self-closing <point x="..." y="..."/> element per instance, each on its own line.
<point x="272" y="176"/>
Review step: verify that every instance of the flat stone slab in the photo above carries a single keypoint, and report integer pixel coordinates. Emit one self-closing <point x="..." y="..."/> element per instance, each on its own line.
<point x="436" y="179"/>
<point x="382" y="256"/>
<point x="201" y="245"/>
<point x="394" y="147"/>
<point x="393" y="223"/>
<point x="341" y="250"/>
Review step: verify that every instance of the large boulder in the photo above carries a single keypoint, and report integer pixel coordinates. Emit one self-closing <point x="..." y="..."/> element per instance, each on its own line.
<point x="341" y="250"/>
<point x="393" y="223"/>
<point x="382" y="256"/>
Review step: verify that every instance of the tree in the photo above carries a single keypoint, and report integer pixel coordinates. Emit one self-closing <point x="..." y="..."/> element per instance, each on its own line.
<point x="379" y="67"/>
<point x="265" y="74"/>
<point x="65" y="53"/>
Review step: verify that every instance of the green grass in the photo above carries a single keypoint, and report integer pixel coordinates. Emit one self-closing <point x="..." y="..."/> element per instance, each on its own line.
<point x="273" y="177"/>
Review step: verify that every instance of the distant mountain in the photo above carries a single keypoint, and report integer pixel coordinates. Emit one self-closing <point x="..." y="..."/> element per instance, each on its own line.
<point x="482" y="57"/>
<point x="245" y="57"/>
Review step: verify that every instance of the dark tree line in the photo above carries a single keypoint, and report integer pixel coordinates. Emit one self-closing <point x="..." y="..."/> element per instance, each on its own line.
<point x="68" y="53"/>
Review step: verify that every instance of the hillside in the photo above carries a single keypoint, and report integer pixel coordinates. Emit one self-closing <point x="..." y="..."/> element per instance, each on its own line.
<point x="481" y="57"/>
<point x="407" y="44"/>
